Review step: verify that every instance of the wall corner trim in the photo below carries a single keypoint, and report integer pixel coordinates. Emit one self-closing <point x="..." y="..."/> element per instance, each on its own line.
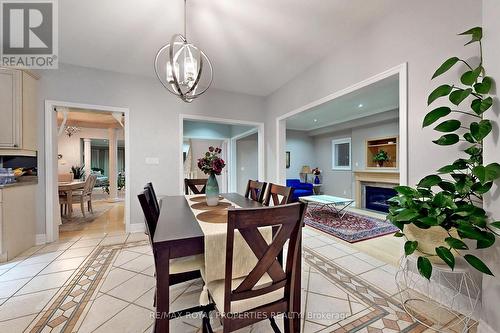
<point x="40" y="239"/>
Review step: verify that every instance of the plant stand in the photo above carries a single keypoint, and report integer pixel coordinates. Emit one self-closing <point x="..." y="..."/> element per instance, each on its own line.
<point x="447" y="302"/>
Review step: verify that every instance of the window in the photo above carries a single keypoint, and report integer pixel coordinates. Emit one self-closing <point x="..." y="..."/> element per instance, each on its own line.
<point x="341" y="154"/>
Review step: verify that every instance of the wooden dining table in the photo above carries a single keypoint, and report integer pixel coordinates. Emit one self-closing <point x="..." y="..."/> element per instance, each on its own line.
<point x="68" y="188"/>
<point x="178" y="234"/>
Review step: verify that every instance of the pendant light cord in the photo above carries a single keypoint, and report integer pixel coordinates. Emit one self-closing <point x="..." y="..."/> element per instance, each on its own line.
<point x="185" y="19"/>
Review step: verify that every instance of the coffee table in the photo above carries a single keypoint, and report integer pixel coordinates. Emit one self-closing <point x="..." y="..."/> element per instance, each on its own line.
<point x="317" y="202"/>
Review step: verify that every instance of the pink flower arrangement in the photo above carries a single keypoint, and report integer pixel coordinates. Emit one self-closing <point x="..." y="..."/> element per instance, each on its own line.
<point x="316" y="171"/>
<point x="211" y="162"/>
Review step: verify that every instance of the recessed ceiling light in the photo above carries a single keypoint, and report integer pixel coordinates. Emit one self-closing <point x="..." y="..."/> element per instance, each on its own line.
<point x="360" y="105"/>
<point x="315" y="120"/>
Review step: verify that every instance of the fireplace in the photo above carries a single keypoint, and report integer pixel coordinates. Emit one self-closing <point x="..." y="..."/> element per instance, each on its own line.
<point x="375" y="197"/>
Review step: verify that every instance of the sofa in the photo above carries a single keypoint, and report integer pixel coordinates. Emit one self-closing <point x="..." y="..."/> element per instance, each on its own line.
<point x="299" y="189"/>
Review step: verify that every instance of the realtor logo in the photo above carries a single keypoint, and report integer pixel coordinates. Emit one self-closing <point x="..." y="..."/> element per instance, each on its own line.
<point x="28" y="33"/>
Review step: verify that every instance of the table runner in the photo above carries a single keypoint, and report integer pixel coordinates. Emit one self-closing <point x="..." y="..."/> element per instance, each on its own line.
<point x="215" y="247"/>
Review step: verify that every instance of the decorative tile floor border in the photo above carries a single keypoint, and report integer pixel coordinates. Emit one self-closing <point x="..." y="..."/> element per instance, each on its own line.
<point x="383" y="311"/>
<point x="62" y="314"/>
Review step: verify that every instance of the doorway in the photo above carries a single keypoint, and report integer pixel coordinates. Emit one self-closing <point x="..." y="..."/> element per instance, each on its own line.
<point x="239" y="140"/>
<point x="87" y="167"/>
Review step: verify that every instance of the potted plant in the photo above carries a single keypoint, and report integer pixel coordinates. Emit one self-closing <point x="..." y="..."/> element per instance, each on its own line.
<point x="77" y="172"/>
<point x="316" y="172"/>
<point x="442" y="217"/>
<point x="212" y="164"/>
<point x="380" y="157"/>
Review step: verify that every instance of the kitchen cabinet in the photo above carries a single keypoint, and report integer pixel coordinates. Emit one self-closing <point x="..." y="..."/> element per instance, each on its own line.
<point x="17" y="219"/>
<point x="18" y="115"/>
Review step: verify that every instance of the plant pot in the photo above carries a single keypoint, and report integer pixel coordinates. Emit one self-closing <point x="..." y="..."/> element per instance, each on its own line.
<point x="380" y="163"/>
<point x="428" y="240"/>
<point x="212" y="191"/>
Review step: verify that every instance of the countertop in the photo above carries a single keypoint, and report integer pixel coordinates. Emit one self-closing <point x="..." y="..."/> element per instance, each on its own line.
<point x="22" y="181"/>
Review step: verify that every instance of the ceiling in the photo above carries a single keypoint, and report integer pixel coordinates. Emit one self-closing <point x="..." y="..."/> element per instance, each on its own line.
<point x="256" y="46"/>
<point x="370" y="100"/>
<point x="89" y="119"/>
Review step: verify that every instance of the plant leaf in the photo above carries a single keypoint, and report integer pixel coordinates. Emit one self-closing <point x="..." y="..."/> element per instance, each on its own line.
<point x="405" y="190"/>
<point x="399" y="234"/>
<point x="470" y="77"/>
<point x="410" y="247"/>
<point x="448" y="126"/>
<point x="430" y="221"/>
<point x="480" y="172"/>
<point x="476" y="34"/>
<point x="441" y="91"/>
<point x="477" y="264"/>
<point x="446" y="256"/>
<point x="406" y="215"/>
<point x="424" y="267"/>
<point x="496" y="224"/>
<point x="487" y="242"/>
<point x="435" y="114"/>
<point x="481" y="188"/>
<point x="455" y="243"/>
<point x="445" y="66"/>
<point x="481" y="105"/>
<point x="492" y="172"/>
<point x="485" y="86"/>
<point x="429" y="181"/>
<point x="469" y="138"/>
<point x="447" y="169"/>
<point x="447" y="186"/>
<point x="480" y="130"/>
<point x="458" y="96"/>
<point x="447" y="140"/>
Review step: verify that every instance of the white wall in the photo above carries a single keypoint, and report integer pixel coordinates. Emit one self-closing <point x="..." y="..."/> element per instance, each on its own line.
<point x="154" y="122"/>
<point x="71" y="147"/>
<point x="341" y="182"/>
<point x="491" y="285"/>
<point x="246" y="161"/>
<point x="421" y="33"/>
<point x="301" y="148"/>
<point x="206" y="130"/>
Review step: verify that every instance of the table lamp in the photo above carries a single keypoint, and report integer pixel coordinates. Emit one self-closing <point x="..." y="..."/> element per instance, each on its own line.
<point x="307" y="170"/>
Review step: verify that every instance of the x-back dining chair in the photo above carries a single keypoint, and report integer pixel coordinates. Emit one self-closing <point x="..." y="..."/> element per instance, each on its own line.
<point x="280" y="195"/>
<point x="270" y="288"/>
<point x="255" y="190"/>
<point x="197" y="186"/>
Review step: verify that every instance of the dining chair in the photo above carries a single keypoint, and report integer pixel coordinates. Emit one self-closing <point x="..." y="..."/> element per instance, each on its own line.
<point x="270" y="288"/>
<point x="192" y="184"/>
<point x="181" y="269"/>
<point x="153" y="195"/>
<point x="280" y="195"/>
<point x="83" y="196"/>
<point x="255" y="190"/>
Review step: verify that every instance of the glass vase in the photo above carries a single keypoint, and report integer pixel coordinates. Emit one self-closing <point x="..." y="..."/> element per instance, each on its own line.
<point x="212" y="191"/>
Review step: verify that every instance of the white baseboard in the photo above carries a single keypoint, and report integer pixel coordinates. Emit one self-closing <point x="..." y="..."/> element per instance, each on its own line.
<point x="485" y="328"/>
<point x="136" y="227"/>
<point x="40" y="239"/>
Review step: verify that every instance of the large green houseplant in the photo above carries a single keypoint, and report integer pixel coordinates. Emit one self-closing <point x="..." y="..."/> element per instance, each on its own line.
<point x="449" y="203"/>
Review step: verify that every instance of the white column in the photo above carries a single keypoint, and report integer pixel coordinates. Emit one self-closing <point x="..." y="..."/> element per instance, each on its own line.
<point x="113" y="164"/>
<point x="87" y="156"/>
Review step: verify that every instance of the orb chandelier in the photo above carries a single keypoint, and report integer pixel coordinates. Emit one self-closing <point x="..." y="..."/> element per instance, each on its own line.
<point x="182" y="68"/>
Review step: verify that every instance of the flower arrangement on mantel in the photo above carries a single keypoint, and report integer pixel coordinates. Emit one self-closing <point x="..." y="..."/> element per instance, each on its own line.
<point x="443" y="216"/>
<point x="212" y="163"/>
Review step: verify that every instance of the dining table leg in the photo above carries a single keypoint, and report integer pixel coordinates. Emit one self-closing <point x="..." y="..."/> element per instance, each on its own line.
<point x="69" y="201"/>
<point x="162" y="290"/>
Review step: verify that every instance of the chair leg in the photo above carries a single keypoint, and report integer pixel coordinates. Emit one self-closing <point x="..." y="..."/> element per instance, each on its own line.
<point x="82" y="206"/>
<point x="61" y="208"/>
<point x="275" y="327"/>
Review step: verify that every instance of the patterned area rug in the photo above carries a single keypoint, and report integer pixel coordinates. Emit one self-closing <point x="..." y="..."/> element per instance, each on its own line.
<point x="78" y="221"/>
<point x="351" y="228"/>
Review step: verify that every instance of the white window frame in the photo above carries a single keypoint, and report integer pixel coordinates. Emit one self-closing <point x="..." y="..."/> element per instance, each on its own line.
<point x="341" y="141"/>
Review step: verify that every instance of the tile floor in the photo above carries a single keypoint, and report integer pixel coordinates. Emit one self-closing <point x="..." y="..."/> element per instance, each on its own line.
<point x="105" y="283"/>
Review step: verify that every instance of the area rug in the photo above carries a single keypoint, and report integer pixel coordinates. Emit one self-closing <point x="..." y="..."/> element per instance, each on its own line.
<point x="351" y="228"/>
<point x="78" y="221"/>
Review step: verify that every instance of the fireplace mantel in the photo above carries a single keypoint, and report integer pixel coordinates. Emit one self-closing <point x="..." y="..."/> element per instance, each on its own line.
<point x="373" y="176"/>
